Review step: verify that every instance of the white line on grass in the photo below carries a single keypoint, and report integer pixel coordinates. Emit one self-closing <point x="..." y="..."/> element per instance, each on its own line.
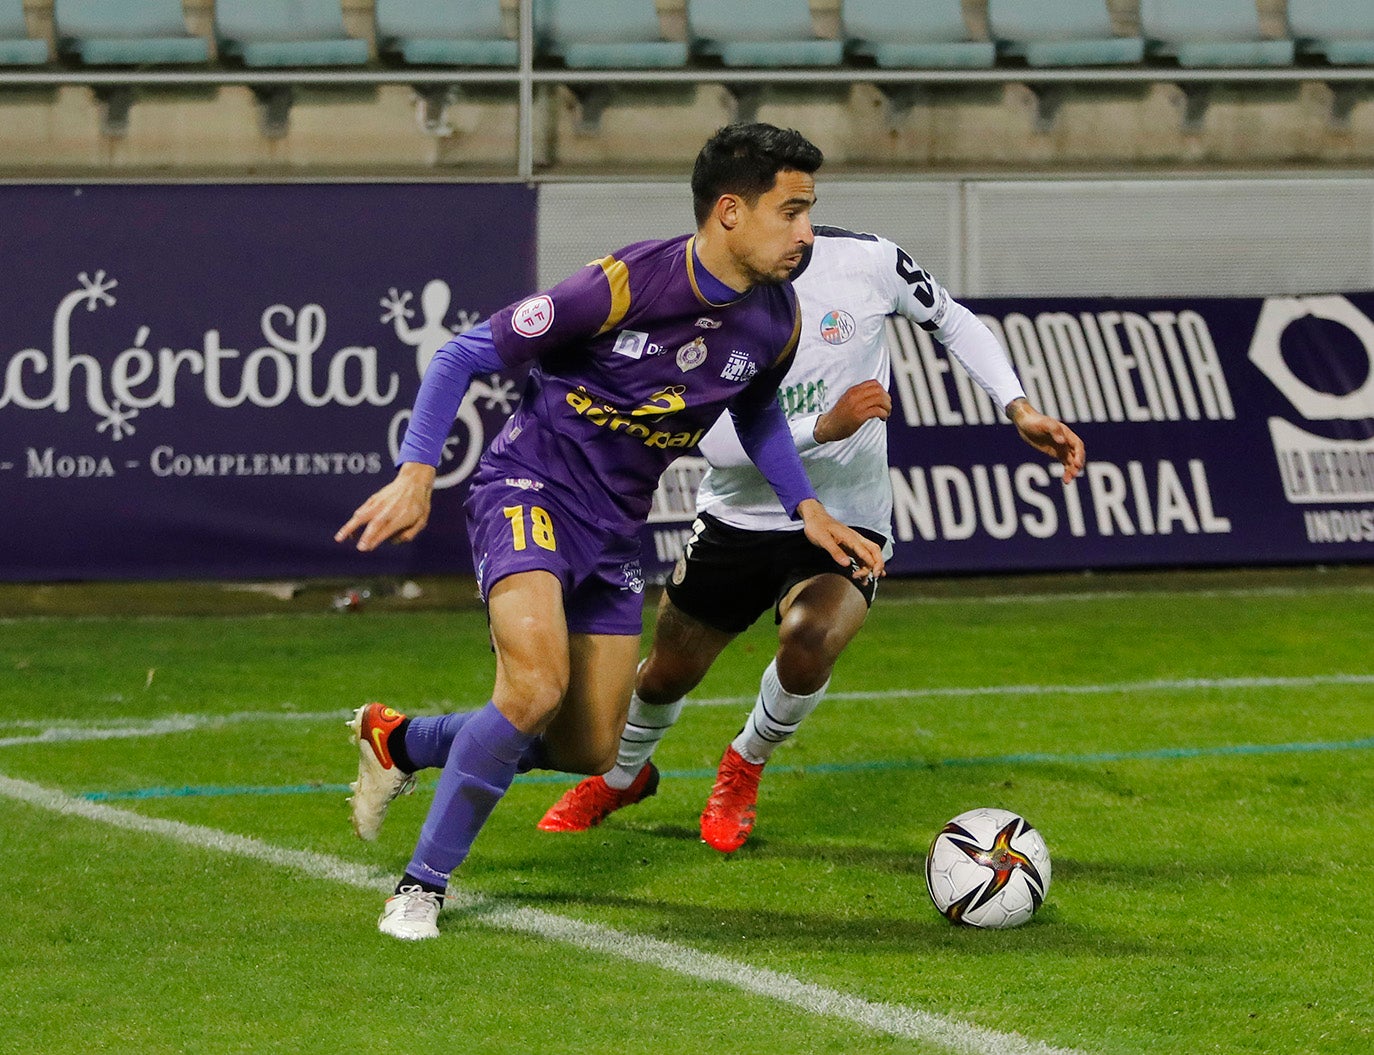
<point x="126" y="728"/>
<point x="892" y="1019"/>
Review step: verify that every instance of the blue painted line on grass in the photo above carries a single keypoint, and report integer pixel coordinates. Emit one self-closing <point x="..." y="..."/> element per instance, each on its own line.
<point x="1161" y="754"/>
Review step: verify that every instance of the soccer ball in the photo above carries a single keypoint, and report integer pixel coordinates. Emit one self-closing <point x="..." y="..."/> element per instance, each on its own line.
<point x="988" y="868"/>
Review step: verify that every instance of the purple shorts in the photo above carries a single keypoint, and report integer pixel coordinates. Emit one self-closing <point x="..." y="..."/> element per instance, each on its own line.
<point x="521" y="525"/>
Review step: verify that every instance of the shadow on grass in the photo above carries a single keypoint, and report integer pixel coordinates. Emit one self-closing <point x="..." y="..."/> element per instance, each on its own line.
<point x="795" y="928"/>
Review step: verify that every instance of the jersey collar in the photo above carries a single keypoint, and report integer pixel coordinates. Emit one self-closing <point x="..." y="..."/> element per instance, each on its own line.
<point x="710" y="290"/>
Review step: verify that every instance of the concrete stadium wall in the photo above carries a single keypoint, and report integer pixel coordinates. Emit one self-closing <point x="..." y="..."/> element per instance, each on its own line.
<point x="1042" y="237"/>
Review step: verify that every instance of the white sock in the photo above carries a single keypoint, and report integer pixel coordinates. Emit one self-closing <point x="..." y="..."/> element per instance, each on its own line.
<point x="775" y="717"/>
<point x="646" y="725"/>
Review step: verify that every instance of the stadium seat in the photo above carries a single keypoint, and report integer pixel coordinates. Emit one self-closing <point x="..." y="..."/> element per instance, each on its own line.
<point x="286" y="33"/>
<point x="777" y="33"/>
<point x="126" y="32"/>
<point x="17" y="48"/>
<point x="1210" y="33"/>
<point x="1340" y="30"/>
<point x="605" y="33"/>
<point x="1060" y="33"/>
<point x="895" y="33"/>
<point x="445" y="32"/>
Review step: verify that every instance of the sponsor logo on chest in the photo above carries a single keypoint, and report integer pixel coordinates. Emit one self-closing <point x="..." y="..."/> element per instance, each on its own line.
<point x="739" y="367"/>
<point x="635" y="345"/>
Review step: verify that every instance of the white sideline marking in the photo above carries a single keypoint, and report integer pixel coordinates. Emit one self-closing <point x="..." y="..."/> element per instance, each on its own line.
<point x="892" y="1019"/>
<point x="57" y="731"/>
<point x="126" y="728"/>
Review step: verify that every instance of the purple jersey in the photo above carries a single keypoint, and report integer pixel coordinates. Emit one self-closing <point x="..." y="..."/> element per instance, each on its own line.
<point x="632" y="362"/>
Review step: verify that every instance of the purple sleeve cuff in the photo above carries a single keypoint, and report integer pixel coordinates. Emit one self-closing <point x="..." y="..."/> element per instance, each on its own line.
<point x="768" y="441"/>
<point x="441" y="393"/>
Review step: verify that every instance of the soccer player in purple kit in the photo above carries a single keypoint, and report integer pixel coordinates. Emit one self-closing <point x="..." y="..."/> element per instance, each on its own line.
<point x="632" y="359"/>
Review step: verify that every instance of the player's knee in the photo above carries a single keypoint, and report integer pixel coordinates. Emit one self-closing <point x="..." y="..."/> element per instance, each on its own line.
<point x="811" y="642"/>
<point x="533" y="693"/>
<point x="660" y="682"/>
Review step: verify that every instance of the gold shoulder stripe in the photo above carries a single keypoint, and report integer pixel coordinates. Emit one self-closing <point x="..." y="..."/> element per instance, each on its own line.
<point x="618" y="277"/>
<point x="791" y="347"/>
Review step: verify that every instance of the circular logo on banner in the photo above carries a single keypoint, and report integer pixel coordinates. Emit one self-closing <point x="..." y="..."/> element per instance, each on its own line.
<point x="837" y="327"/>
<point x="534" y="317"/>
<point x="1266" y="352"/>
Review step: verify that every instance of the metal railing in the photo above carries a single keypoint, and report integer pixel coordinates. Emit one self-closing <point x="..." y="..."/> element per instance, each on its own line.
<point x="525" y="77"/>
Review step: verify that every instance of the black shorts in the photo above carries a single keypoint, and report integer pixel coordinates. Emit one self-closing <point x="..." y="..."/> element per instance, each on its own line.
<point x="727" y="577"/>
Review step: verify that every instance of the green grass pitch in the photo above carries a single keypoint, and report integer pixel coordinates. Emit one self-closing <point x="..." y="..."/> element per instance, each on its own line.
<point x="1197" y="749"/>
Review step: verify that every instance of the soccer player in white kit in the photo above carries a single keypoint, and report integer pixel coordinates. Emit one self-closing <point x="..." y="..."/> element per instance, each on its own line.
<point x="745" y="555"/>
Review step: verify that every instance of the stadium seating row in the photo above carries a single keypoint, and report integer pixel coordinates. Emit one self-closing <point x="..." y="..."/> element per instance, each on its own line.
<point x="609" y="34"/>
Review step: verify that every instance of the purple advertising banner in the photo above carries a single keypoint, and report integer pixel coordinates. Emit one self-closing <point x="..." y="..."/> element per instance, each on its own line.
<point x="1218" y="432"/>
<point x="207" y="380"/>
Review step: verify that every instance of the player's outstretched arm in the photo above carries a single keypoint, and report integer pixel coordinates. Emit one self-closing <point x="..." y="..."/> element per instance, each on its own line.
<point x="399" y="511"/>
<point x="843" y="543"/>
<point x="859" y="403"/>
<point x="1048" y="435"/>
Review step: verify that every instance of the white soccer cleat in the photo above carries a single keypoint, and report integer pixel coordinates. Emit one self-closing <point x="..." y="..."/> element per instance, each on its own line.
<point x="411" y="914"/>
<point x="379" y="779"/>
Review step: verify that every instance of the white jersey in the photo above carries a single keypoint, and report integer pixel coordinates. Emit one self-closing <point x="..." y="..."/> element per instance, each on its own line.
<point x="847" y="287"/>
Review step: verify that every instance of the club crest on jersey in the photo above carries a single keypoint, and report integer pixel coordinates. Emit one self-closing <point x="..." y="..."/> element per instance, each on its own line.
<point x="739" y="368"/>
<point x="533" y="317"/>
<point x="634" y="576"/>
<point x="837" y="327"/>
<point x="692" y="354"/>
<point x="705" y="323"/>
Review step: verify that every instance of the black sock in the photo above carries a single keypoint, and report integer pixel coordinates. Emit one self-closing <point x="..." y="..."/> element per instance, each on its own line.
<point x="409" y="880"/>
<point x="396" y="745"/>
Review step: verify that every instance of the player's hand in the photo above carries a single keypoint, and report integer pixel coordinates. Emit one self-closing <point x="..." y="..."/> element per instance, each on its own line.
<point x="1048" y="435"/>
<point x="863" y="402"/>
<point x="843" y="543"/>
<point x="399" y="511"/>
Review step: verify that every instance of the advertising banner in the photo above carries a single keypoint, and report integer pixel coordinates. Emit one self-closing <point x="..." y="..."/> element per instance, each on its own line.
<point x="1218" y="432"/>
<point x="205" y="381"/>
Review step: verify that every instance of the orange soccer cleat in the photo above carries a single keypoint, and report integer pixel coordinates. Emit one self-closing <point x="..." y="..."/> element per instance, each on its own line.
<point x="593" y="800"/>
<point x="728" y="817"/>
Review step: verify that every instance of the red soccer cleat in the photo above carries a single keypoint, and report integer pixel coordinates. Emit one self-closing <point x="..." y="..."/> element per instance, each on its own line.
<point x="593" y="800"/>
<point x="728" y="817"/>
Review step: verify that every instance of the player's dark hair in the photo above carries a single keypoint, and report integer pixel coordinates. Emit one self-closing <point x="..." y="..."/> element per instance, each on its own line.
<point x="745" y="159"/>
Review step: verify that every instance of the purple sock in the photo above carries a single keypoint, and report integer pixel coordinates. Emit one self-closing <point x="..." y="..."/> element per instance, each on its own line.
<point x="480" y="767"/>
<point x="428" y="740"/>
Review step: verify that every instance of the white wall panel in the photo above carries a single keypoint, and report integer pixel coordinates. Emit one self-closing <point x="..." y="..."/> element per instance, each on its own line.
<point x="1127" y="237"/>
<point x="579" y="222"/>
<point x="1169" y="237"/>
